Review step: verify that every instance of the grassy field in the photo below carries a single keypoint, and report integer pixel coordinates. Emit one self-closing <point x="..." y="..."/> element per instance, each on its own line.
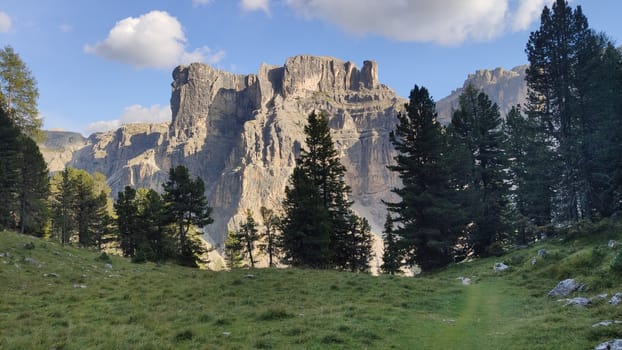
<point x="55" y="297"/>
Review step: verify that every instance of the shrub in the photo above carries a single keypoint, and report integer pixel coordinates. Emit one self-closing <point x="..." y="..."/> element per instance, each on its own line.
<point x="616" y="264"/>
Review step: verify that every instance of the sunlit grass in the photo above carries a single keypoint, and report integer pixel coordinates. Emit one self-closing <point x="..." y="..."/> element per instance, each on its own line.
<point x="55" y="297"/>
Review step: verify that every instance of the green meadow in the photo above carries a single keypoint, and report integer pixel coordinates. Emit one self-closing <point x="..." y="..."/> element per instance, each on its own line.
<point x="55" y="297"/>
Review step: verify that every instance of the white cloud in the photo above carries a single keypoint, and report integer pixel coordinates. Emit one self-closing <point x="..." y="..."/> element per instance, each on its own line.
<point x="447" y="22"/>
<point x="155" y="40"/>
<point x="528" y="11"/>
<point x="201" y="2"/>
<point x="255" y="5"/>
<point x="133" y="114"/>
<point x="5" y="22"/>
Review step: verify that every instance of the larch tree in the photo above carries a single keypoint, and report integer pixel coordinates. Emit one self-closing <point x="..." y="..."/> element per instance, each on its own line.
<point x="19" y="93"/>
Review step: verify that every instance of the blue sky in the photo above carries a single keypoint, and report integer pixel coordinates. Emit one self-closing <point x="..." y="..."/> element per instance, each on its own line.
<point x="99" y="64"/>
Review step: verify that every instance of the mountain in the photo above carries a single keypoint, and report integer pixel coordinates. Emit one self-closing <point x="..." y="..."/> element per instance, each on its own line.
<point x="242" y="133"/>
<point x="506" y="88"/>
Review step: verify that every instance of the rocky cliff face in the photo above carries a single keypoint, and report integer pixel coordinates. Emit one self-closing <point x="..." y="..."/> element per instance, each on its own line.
<point x="242" y="134"/>
<point x="59" y="147"/>
<point x="505" y="88"/>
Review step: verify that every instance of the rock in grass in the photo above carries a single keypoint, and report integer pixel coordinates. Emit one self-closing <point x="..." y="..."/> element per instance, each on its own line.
<point x="565" y="287"/>
<point x="542" y="253"/>
<point x="615" y="300"/>
<point x="51" y="274"/>
<point x="606" y="323"/>
<point x="465" y="280"/>
<point x="612" y="243"/>
<point x="499" y="267"/>
<point x="82" y="286"/>
<point x="580" y="301"/>
<point x="108" y="266"/>
<point x="615" y="344"/>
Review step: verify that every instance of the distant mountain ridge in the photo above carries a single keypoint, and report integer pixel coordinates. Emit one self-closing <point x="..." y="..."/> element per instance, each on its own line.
<point x="242" y="133"/>
<point x="506" y="88"/>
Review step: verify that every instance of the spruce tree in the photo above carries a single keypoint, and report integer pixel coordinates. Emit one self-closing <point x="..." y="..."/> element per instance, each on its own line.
<point x="188" y="209"/>
<point x="392" y="257"/>
<point x="271" y="242"/>
<point x="10" y="160"/>
<point x="128" y="224"/>
<point x="248" y="235"/>
<point x="319" y="226"/>
<point x="427" y="217"/>
<point x="33" y="188"/>
<point x="477" y="126"/>
<point x="559" y="52"/>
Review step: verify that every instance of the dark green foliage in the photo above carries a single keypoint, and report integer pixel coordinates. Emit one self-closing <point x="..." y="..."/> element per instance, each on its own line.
<point x="530" y="174"/>
<point x="33" y="189"/>
<point x="143" y="225"/>
<point x="78" y="212"/>
<point x="306" y="224"/>
<point x="319" y="228"/>
<point x="18" y="92"/>
<point x="476" y="127"/>
<point x="574" y="102"/>
<point x="24" y="183"/>
<point x="271" y="244"/>
<point x="392" y="257"/>
<point x="233" y="250"/>
<point x="187" y="208"/>
<point x="247" y="236"/>
<point x="126" y="208"/>
<point x="616" y="264"/>
<point x="428" y="219"/>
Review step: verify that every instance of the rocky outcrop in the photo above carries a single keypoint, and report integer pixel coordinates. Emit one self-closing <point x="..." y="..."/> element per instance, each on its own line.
<point x="503" y="87"/>
<point x="59" y="147"/>
<point x="242" y="133"/>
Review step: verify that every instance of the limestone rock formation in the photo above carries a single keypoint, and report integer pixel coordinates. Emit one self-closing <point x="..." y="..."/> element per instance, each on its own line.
<point x="505" y="88"/>
<point x="59" y="146"/>
<point x="242" y="134"/>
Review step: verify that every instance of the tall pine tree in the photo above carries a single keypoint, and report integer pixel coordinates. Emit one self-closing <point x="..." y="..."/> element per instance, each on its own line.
<point x="319" y="228"/>
<point x="427" y="217"/>
<point x="477" y="126"/>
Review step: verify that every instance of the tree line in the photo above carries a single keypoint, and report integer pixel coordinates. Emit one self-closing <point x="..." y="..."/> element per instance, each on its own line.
<point x="470" y="188"/>
<point x="480" y="183"/>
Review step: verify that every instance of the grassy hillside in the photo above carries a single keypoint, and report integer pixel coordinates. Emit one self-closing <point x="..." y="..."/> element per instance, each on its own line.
<point x="55" y="297"/>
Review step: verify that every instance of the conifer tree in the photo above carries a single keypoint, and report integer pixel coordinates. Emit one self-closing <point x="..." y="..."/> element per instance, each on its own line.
<point x="271" y="241"/>
<point x="188" y="209"/>
<point x="559" y="54"/>
<point x="392" y="257"/>
<point x="126" y="208"/>
<point x="319" y="226"/>
<point x="10" y="160"/>
<point x="233" y="250"/>
<point x="19" y="93"/>
<point x="477" y="126"/>
<point x="428" y="216"/>
<point x="33" y="188"/>
<point x="248" y="235"/>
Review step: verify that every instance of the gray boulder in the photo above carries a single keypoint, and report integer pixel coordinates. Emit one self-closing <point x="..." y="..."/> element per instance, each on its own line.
<point x="615" y="300"/>
<point x="612" y="243"/>
<point x="565" y="287"/>
<point x="579" y="301"/>
<point x="108" y="266"/>
<point x="542" y="253"/>
<point x="606" y="323"/>
<point x="499" y="267"/>
<point x="615" y="344"/>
